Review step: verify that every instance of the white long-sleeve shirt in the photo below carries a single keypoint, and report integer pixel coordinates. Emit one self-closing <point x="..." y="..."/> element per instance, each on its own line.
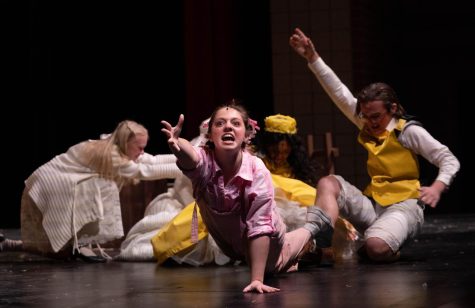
<point x="412" y="137"/>
<point x="70" y="195"/>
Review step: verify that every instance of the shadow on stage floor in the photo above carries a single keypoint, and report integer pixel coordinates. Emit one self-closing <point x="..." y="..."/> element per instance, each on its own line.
<point x="436" y="270"/>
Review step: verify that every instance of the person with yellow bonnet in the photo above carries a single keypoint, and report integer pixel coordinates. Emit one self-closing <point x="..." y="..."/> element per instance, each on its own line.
<point x="283" y="151"/>
<point x="295" y="176"/>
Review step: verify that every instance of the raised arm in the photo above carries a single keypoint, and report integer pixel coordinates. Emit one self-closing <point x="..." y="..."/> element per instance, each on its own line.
<point x="303" y="46"/>
<point x="338" y="92"/>
<point x="187" y="158"/>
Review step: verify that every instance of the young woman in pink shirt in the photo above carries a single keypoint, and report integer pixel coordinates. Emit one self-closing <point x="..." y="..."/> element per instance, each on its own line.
<point x="234" y="192"/>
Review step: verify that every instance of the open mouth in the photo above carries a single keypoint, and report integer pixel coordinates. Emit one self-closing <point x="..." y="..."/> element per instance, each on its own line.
<point x="227" y="138"/>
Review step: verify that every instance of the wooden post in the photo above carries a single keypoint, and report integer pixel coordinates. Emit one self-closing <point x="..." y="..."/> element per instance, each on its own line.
<point x="331" y="153"/>
<point x="310" y="146"/>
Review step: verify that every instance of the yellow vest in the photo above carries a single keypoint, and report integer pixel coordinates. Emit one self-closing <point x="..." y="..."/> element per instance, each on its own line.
<point x="394" y="169"/>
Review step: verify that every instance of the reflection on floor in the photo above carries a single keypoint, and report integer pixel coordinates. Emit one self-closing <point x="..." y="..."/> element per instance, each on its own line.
<point x="438" y="269"/>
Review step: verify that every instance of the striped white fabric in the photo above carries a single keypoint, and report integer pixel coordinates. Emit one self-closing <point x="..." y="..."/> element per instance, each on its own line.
<point x="70" y="195"/>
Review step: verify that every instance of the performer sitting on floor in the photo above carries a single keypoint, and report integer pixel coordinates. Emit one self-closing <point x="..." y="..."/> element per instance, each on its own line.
<point x="233" y="190"/>
<point x="292" y="195"/>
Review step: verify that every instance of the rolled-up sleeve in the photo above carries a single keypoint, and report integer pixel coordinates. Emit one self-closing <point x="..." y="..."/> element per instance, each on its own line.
<point x="198" y="171"/>
<point x="261" y="205"/>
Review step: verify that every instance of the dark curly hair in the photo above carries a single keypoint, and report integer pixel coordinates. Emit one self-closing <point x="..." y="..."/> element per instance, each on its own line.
<point x="303" y="168"/>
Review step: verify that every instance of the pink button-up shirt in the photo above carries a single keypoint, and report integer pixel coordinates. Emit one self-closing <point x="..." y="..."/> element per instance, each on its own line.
<point x="242" y="209"/>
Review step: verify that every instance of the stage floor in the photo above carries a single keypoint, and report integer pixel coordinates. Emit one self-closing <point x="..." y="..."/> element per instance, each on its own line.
<point x="436" y="270"/>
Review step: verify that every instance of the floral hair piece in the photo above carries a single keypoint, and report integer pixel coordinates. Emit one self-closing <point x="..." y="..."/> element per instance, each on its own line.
<point x="254" y="126"/>
<point x="204" y="126"/>
<point x="202" y="139"/>
<point x="281" y="124"/>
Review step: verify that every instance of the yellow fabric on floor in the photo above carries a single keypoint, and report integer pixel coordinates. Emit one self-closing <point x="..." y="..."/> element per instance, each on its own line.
<point x="176" y="235"/>
<point x="295" y="190"/>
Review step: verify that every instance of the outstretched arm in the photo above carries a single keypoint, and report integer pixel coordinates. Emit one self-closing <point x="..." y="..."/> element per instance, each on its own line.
<point x="187" y="158"/>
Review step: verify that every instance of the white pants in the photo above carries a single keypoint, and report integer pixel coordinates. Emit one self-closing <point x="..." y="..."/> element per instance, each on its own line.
<point x="394" y="224"/>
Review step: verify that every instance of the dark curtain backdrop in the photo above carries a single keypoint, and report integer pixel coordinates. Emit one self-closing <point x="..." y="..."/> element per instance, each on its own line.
<point x="432" y="54"/>
<point x="425" y="50"/>
<point x="83" y="66"/>
<point x="227" y="55"/>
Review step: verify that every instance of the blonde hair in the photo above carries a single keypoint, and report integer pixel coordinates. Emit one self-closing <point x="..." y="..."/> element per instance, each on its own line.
<point x="98" y="153"/>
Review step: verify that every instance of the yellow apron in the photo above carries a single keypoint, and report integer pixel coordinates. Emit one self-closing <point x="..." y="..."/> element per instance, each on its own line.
<point x="175" y="236"/>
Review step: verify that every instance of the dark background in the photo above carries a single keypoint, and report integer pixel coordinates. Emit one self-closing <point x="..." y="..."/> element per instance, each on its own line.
<point x="427" y="53"/>
<point x="81" y="67"/>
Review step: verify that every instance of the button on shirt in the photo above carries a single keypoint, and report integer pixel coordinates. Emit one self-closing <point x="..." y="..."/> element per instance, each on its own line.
<point x="244" y="208"/>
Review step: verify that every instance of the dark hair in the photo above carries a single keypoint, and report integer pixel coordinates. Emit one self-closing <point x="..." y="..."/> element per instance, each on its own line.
<point x="302" y="167"/>
<point x="236" y="106"/>
<point x="380" y="91"/>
